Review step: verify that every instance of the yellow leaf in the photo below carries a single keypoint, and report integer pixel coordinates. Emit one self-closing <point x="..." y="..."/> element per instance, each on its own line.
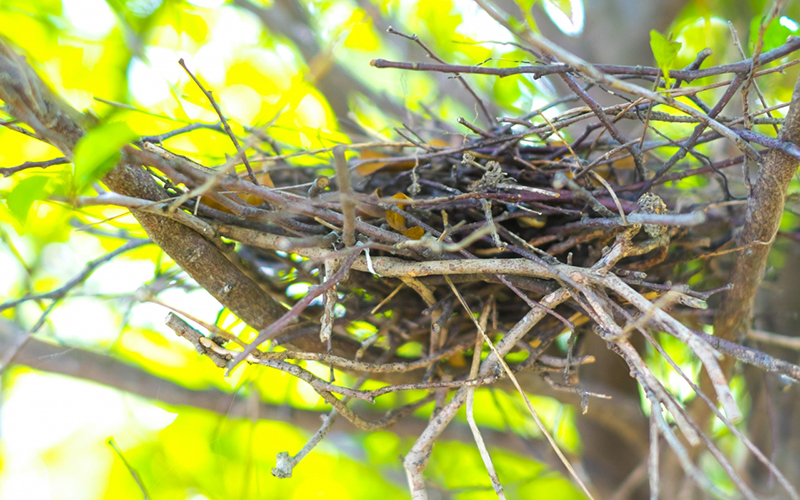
<point x="625" y="163"/>
<point x="396" y="221"/>
<point x="414" y="233"/>
<point x="537" y="222"/>
<point x="368" y="154"/>
<point x="369" y="168"/>
<point x="457" y="360"/>
<point x="264" y="179"/>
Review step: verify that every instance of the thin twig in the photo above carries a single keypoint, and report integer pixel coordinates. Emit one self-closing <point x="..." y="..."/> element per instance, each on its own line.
<point x="345" y="196"/>
<point x="131" y="470"/>
<point x="240" y="152"/>
<point x="8" y="171"/>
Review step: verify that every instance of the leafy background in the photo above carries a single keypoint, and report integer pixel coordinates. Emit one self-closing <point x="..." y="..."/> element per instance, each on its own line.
<point x="265" y="70"/>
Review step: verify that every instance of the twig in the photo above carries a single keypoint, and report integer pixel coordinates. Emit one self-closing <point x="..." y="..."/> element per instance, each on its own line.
<point x="159" y="138"/>
<point x="417" y="458"/>
<point x="8" y="171"/>
<point x="562" y="180"/>
<point x="131" y="470"/>
<point x="432" y="55"/>
<point x="775" y="339"/>
<point x="204" y="345"/>
<point x="792" y="44"/>
<point x="345" y="196"/>
<point x="751" y="356"/>
<point x="60" y="292"/>
<point x="292" y="314"/>
<point x="498" y="358"/>
<point x="613" y="197"/>
<point x="330" y="297"/>
<point x="473" y="373"/>
<point x="210" y="97"/>
<point x="749" y="444"/>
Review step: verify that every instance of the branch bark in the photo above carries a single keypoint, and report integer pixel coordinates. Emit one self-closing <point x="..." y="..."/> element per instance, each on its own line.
<point x="764" y="211"/>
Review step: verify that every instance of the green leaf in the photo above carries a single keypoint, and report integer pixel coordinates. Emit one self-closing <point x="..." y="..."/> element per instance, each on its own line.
<point x="565" y="6"/>
<point x="567" y="15"/>
<point x="23" y="195"/>
<point x="98" y="151"/>
<point x="665" y="51"/>
<point x="525" y="5"/>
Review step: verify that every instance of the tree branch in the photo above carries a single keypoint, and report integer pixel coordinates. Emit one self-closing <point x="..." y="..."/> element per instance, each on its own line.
<point x="764" y="212"/>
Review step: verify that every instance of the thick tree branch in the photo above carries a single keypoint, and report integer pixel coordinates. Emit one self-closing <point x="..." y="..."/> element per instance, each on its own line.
<point x="764" y="212"/>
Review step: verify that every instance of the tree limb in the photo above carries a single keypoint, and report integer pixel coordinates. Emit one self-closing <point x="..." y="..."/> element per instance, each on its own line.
<point x="764" y="211"/>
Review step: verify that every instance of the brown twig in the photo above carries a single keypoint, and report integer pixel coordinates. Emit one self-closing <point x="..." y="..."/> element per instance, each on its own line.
<point x="8" y="171"/>
<point x="222" y="119"/>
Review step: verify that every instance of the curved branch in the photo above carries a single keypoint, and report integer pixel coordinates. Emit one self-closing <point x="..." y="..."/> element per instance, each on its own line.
<point x="764" y="212"/>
